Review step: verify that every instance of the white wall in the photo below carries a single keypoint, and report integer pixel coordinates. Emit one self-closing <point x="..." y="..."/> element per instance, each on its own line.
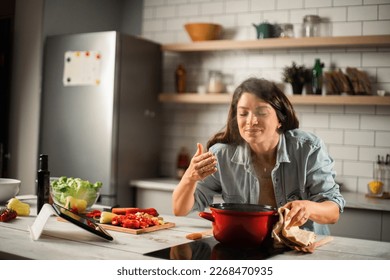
<point x="25" y="93"/>
<point x="353" y="134"/>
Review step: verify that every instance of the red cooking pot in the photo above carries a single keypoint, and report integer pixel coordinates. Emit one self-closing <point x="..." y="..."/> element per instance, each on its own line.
<point x="241" y="224"/>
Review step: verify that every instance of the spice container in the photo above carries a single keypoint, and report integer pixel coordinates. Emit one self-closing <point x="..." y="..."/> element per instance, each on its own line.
<point x="311" y="26"/>
<point x="215" y="84"/>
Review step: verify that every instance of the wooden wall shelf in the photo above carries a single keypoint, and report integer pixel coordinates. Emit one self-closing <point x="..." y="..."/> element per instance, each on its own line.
<point x="225" y="98"/>
<point x="282" y="43"/>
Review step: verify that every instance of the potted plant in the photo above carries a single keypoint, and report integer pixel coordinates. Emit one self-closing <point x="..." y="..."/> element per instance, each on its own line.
<point x="297" y="76"/>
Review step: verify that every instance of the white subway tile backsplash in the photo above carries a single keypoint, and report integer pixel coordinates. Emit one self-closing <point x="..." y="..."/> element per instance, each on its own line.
<point x="176" y="24"/>
<point x="347" y="29"/>
<point x="300" y="109"/>
<point x="359" y="137"/>
<point x="368" y="2"/>
<point x="165" y="37"/>
<point x="382" y="139"/>
<point x="212" y="8"/>
<point x="347" y="2"/>
<point x="384" y="74"/>
<point x="260" y="60"/>
<point x="296" y="16"/>
<point x="284" y="60"/>
<point x="384" y="12"/>
<point x="366" y="110"/>
<point x="153" y="25"/>
<point x="256" y="5"/>
<point x="148" y="13"/>
<point x="276" y="17"/>
<point x="288" y="4"/>
<point x="375" y="123"/>
<point x="331" y="136"/>
<point x="330" y="109"/>
<point x="188" y="10"/>
<point x="247" y="19"/>
<point x="344" y="121"/>
<point x="358" y="169"/>
<point x="334" y="14"/>
<point x="377" y="59"/>
<point x="383" y="110"/>
<point x="347" y="184"/>
<point x="314" y="120"/>
<point x="235" y="6"/>
<point x="165" y="12"/>
<point x="371" y="153"/>
<point x="343" y="152"/>
<point x="346" y="59"/>
<point x="317" y="3"/>
<point x="376" y="27"/>
<point x="227" y="21"/>
<point x="362" y="13"/>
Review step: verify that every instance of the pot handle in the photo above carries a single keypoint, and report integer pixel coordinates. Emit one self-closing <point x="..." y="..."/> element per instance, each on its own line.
<point x="207" y="216"/>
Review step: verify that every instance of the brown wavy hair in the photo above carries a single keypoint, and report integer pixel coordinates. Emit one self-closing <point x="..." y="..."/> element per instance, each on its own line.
<point x="266" y="91"/>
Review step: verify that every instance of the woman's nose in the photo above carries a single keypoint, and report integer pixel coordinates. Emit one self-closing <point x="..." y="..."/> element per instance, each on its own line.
<point x="251" y="120"/>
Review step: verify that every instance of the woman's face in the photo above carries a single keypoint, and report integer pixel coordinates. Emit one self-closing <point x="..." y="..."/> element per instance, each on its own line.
<point x="257" y="120"/>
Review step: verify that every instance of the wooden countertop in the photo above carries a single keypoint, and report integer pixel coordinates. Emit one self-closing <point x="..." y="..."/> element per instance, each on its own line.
<point x="65" y="241"/>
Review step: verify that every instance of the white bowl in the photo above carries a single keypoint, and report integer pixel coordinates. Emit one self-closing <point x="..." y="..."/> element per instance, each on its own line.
<point x="9" y="188"/>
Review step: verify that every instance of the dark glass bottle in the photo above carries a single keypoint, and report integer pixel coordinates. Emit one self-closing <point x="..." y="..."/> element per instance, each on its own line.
<point x="43" y="185"/>
<point x="317" y="77"/>
<point x="180" y="79"/>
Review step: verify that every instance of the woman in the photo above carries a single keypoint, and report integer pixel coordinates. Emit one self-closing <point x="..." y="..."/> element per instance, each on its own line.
<point x="263" y="158"/>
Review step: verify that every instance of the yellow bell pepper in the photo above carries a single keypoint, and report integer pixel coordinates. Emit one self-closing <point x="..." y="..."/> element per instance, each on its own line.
<point x="21" y="208"/>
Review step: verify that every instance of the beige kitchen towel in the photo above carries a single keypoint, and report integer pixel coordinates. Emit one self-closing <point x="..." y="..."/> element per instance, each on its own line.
<point x="293" y="237"/>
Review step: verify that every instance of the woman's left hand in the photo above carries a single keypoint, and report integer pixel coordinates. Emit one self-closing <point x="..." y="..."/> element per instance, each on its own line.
<point x="299" y="212"/>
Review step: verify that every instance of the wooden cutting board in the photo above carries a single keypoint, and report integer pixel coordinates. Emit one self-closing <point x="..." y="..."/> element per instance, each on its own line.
<point x="130" y="230"/>
<point x="137" y="231"/>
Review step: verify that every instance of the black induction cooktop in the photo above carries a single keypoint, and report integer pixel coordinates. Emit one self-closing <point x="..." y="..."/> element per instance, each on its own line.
<point x="211" y="249"/>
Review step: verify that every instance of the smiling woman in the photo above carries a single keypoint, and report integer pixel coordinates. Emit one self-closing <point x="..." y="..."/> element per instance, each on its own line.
<point x="261" y="157"/>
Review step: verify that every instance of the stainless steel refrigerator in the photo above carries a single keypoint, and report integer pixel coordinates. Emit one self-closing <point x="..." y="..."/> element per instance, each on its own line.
<point x="99" y="110"/>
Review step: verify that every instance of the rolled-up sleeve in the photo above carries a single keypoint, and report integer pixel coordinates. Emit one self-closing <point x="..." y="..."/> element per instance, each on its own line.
<point x="320" y="177"/>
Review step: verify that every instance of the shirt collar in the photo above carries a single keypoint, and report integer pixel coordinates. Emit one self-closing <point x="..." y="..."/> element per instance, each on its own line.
<point x="242" y="155"/>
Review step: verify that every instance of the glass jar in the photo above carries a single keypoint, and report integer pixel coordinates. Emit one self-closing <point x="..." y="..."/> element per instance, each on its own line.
<point x="286" y="30"/>
<point x="311" y="26"/>
<point x="215" y="84"/>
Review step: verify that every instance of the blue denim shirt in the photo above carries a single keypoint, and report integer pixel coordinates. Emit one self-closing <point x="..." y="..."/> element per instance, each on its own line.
<point x="303" y="171"/>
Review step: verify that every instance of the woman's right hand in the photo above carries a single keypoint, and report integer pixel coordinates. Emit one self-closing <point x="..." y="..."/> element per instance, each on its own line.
<point x="201" y="165"/>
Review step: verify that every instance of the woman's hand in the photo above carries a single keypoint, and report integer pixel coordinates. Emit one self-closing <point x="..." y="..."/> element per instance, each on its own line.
<point x="299" y="212"/>
<point x="325" y="212"/>
<point x="201" y="165"/>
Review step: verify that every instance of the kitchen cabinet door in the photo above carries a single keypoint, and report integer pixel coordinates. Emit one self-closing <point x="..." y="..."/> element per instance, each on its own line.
<point x="386" y="226"/>
<point x="358" y="223"/>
